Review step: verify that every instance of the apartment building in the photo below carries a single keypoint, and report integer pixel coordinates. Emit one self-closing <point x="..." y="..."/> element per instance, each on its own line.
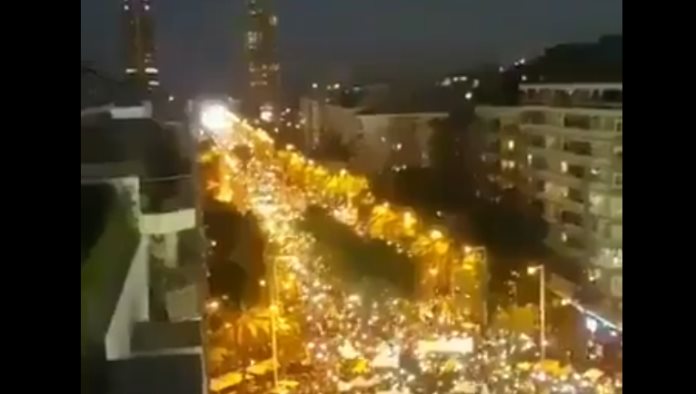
<point x="386" y="131"/>
<point x="143" y="277"/>
<point x="562" y="146"/>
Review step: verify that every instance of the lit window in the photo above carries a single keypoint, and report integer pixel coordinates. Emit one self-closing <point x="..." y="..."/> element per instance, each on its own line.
<point x="253" y="38"/>
<point x="511" y="145"/>
<point x="315" y="85"/>
<point x="594" y="171"/>
<point x="476" y="83"/>
<point x="398" y="146"/>
<point x="524" y="78"/>
<point x="273" y="20"/>
<point x="507" y="164"/>
<point x="153" y="83"/>
<point x="564" y="166"/>
<point x="151" y="70"/>
<point x="530" y="158"/>
<point x="564" y="237"/>
<point x="468" y="95"/>
<point x="594" y="274"/>
<point x="147" y="7"/>
<point x="130" y="71"/>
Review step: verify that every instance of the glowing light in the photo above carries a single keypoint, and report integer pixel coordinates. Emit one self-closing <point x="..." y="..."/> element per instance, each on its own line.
<point x="217" y="118"/>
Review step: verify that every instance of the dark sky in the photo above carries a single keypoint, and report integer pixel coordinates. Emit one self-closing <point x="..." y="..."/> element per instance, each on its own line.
<point x="199" y="42"/>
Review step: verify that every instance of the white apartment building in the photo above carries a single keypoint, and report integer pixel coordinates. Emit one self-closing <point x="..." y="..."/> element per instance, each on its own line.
<point x="382" y="140"/>
<point x="563" y="146"/>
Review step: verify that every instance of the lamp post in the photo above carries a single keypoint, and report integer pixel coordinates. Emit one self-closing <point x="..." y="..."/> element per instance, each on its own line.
<point x="542" y="307"/>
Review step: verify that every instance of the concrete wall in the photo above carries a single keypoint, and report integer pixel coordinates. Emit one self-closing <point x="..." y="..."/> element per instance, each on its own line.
<point x="165" y="223"/>
<point x="132" y="306"/>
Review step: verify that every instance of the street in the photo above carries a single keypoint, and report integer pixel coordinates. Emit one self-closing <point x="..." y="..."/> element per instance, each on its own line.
<point x="369" y="342"/>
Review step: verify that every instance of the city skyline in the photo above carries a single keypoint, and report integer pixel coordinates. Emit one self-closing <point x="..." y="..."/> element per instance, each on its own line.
<point x="200" y="44"/>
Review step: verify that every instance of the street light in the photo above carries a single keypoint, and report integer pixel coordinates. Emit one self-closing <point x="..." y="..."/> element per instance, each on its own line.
<point x="533" y="270"/>
<point x="216" y="117"/>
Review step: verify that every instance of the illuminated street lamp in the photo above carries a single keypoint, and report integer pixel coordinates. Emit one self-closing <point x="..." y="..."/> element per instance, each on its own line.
<point x="213" y="306"/>
<point x="216" y="117"/>
<point x="533" y="270"/>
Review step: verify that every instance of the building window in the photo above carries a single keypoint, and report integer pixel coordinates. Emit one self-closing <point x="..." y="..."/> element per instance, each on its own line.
<point x="619" y="126"/>
<point x="573" y="218"/>
<point x="507" y="164"/>
<point x="538" y="141"/>
<point x="618" y="179"/>
<point x="533" y="117"/>
<point x="576" y="171"/>
<point x="564" y="237"/>
<point x="577" y="121"/>
<point x="540" y="186"/>
<point x="564" y="167"/>
<point x="530" y="158"/>
<point x="581" y="148"/>
<point x="576" y="195"/>
<point x="594" y="173"/>
<point x="253" y="38"/>
<point x="511" y="145"/>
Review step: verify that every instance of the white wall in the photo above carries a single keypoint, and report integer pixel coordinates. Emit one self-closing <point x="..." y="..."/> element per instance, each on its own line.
<point x="132" y="305"/>
<point x="170" y="222"/>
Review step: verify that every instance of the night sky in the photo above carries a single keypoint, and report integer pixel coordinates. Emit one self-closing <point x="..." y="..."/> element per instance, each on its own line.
<point x="199" y="42"/>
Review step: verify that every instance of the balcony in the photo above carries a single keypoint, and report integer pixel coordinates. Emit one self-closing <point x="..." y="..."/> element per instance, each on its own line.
<point x="580" y="134"/>
<point x="167" y="204"/>
<point x="555" y="177"/>
<point x="564" y="202"/>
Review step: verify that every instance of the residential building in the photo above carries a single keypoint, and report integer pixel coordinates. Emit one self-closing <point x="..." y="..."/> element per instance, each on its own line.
<point x="384" y="130"/>
<point x="142" y="267"/>
<point x="264" y="70"/>
<point x="139" y="39"/>
<point x="563" y="146"/>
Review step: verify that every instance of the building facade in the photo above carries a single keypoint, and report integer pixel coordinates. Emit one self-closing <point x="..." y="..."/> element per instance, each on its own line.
<point x="379" y="141"/>
<point x="139" y="38"/>
<point x="563" y="147"/>
<point x="264" y="70"/>
<point x="143" y="277"/>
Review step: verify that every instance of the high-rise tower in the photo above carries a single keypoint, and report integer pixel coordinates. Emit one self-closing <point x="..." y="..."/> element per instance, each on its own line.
<point x="264" y="70"/>
<point x="140" y="43"/>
